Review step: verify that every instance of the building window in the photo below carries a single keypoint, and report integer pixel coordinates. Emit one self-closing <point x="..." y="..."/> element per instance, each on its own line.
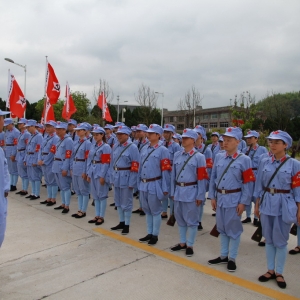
<point x="224" y="115"/>
<point x="213" y="125"/>
<point x="180" y="126"/>
<point x="224" y="124"/>
<point x="180" y="118"/>
<point x="205" y="125"/>
<point x="171" y="119"/>
<point x="214" y="116"/>
<point x="205" y="117"/>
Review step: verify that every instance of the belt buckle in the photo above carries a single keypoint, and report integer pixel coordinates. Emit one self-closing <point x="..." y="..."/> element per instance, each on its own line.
<point x="94" y="161"/>
<point x="116" y="168"/>
<point x="144" y="180"/>
<point x="272" y="191"/>
<point x="223" y="192"/>
<point x="181" y="183"/>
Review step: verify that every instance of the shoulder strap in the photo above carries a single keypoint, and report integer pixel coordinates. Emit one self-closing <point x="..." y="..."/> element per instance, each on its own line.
<point x="149" y="155"/>
<point x="185" y="165"/>
<point x="272" y="177"/>
<point x="79" y="147"/>
<point x="254" y="153"/>
<point x="204" y="149"/>
<point x="227" y="169"/>
<point x="122" y="153"/>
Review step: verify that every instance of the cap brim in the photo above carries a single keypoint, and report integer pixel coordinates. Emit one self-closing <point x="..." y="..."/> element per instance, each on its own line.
<point x="231" y="135"/>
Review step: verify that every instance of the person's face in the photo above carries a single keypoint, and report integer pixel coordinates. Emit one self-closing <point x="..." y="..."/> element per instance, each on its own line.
<point x="167" y="135"/>
<point x="71" y="127"/>
<point x="60" y="132"/>
<point x="1" y="122"/>
<point x="50" y="129"/>
<point x="199" y="139"/>
<point x="21" y="126"/>
<point x="81" y="133"/>
<point x="9" y="126"/>
<point x="98" y="137"/>
<point x="153" y="137"/>
<point x="31" y="129"/>
<point x="122" y="137"/>
<point x="176" y="140"/>
<point x="251" y="140"/>
<point x="108" y="131"/>
<point x="187" y="142"/>
<point x="214" y="138"/>
<point x="277" y="146"/>
<point x="230" y="144"/>
<point x="221" y="145"/>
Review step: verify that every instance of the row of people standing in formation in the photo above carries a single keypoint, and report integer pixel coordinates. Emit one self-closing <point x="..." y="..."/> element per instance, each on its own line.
<point x="149" y="160"/>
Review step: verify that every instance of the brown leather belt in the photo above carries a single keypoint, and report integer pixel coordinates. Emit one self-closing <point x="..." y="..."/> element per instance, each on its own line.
<point x="79" y="159"/>
<point x="59" y="159"/>
<point x="45" y="153"/>
<point x="19" y="150"/>
<point x="254" y="169"/>
<point x="10" y="145"/>
<point x="96" y="161"/>
<point x="224" y="192"/>
<point x="150" y="179"/>
<point x="121" y="169"/>
<point x="31" y="153"/>
<point x="276" y="191"/>
<point x="186" y="183"/>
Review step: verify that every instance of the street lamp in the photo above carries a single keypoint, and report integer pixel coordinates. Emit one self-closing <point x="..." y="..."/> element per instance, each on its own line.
<point x="118" y="100"/>
<point x="123" y="111"/>
<point x="162" y="107"/>
<point x="24" y="67"/>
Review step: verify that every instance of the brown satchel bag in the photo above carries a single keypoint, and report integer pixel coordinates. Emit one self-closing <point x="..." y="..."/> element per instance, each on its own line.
<point x="171" y="220"/>
<point x="257" y="235"/>
<point x="294" y="230"/>
<point x="214" y="232"/>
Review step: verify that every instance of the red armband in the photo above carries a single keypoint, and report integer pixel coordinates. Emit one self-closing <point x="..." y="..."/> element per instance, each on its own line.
<point x="105" y="158"/>
<point x="68" y="154"/>
<point x="15" y="141"/>
<point x="296" y="180"/>
<point x="209" y="163"/>
<point x="26" y="141"/>
<point x="134" y="166"/>
<point x="86" y="154"/>
<point x="202" y="173"/>
<point x="248" y="176"/>
<point x="53" y="149"/>
<point x="165" y="164"/>
<point x="37" y="148"/>
<point x="1" y="143"/>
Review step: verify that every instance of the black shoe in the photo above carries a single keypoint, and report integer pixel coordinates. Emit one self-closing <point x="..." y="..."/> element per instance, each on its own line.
<point x="189" y="252"/>
<point x="153" y="240"/>
<point x="218" y="261"/>
<point x="19" y="193"/>
<point x="281" y="284"/>
<point x="146" y="238"/>
<point x="213" y="215"/>
<point x="72" y="193"/>
<point x="135" y="194"/>
<point x="120" y="226"/>
<point x="110" y="189"/>
<point x="23" y="193"/>
<point x="262" y="244"/>
<point x="116" y="208"/>
<point x="247" y="220"/>
<point x="137" y="211"/>
<point x="65" y="210"/>
<point x="178" y="247"/>
<point x="13" y="188"/>
<point x="27" y="197"/>
<point x="164" y="217"/>
<point x="44" y="202"/>
<point x="82" y="215"/>
<point x="142" y="213"/>
<point x="44" y="185"/>
<point x="59" y="207"/>
<point x="200" y="226"/>
<point x="93" y="221"/>
<point x="255" y="222"/>
<point x="93" y="203"/>
<point x="51" y="203"/>
<point x="231" y="266"/>
<point x="113" y="204"/>
<point x="74" y="215"/>
<point x="100" y="221"/>
<point x="294" y="251"/>
<point x="264" y="278"/>
<point x="125" y="230"/>
<point x="35" y="197"/>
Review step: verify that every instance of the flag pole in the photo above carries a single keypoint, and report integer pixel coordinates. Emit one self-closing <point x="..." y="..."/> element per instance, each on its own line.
<point x="8" y="88"/>
<point x="45" y="98"/>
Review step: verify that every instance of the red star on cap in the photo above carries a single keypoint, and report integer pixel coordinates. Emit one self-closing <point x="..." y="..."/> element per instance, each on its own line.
<point x="151" y="126"/>
<point x="167" y="126"/>
<point x="249" y="132"/>
<point x="276" y="132"/>
<point x="229" y="129"/>
<point x="184" y="130"/>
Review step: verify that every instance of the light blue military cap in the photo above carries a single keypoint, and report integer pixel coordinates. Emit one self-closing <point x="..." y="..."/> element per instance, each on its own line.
<point x="72" y="121"/>
<point x="22" y="121"/>
<point x="3" y="113"/>
<point x="82" y="126"/>
<point x="190" y="133"/>
<point x="215" y="133"/>
<point x="251" y="133"/>
<point x="118" y="124"/>
<point x="61" y="125"/>
<point x="108" y="126"/>
<point x="98" y="129"/>
<point x="281" y="135"/>
<point x="233" y="132"/>
<point x="155" y="128"/>
<point x="124" y="129"/>
<point x="142" y="127"/>
<point x="51" y="122"/>
<point x="31" y="123"/>
<point x="133" y="128"/>
<point x="200" y="129"/>
<point x="169" y="127"/>
<point x="8" y="121"/>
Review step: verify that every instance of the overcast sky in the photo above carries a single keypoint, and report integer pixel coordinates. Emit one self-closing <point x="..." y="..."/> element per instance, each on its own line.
<point x="221" y="47"/>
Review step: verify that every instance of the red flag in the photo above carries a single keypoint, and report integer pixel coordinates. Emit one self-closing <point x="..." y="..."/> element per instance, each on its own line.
<point x="52" y="85"/>
<point x="16" y="101"/>
<point x="69" y="108"/>
<point x="48" y="113"/>
<point x="105" y="110"/>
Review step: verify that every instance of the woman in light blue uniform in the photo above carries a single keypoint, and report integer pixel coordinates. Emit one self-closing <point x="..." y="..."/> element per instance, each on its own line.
<point x="277" y="191"/>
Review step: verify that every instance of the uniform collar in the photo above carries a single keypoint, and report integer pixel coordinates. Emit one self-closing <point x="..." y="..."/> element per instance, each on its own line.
<point x="125" y="144"/>
<point x="200" y="147"/>
<point x="190" y="152"/>
<point x="215" y="144"/>
<point x="144" y="141"/>
<point x="155" y="146"/>
<point x="100" y="144"/>
<point x="234" y="156"/>
<point x="81" y="141"/>
<point x="254" y="147"/>
<point x="281" y="160"/>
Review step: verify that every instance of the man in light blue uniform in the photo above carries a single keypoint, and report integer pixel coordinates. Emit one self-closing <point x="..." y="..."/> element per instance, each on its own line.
<point x="206" y="151"/>
<point x="254" y="151"/>
<point x="109" y="135"/>
<point x="4" y="183"/>
<point x="230" y="189"/>
<point x="21" y="151"/>
<point x="214" y="146"/>
<point x="11" y="140"/>
<point x="78" y="165"/>
<point x="61" y="165"/>
<point x="45" y="160"/>
<point x="70" y="130"/>
<point x="34" y="171"/>
<point x="169" y="131"/>
<point x="124" y="173"/>
<point x="154" y="181"/>
<point x="188" y="188"/>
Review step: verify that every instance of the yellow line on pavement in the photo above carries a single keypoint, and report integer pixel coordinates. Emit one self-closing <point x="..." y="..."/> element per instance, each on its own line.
<point x="201" y="268"/>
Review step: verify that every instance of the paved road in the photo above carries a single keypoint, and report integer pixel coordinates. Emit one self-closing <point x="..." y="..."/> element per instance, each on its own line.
<point x="47" y="255"/>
